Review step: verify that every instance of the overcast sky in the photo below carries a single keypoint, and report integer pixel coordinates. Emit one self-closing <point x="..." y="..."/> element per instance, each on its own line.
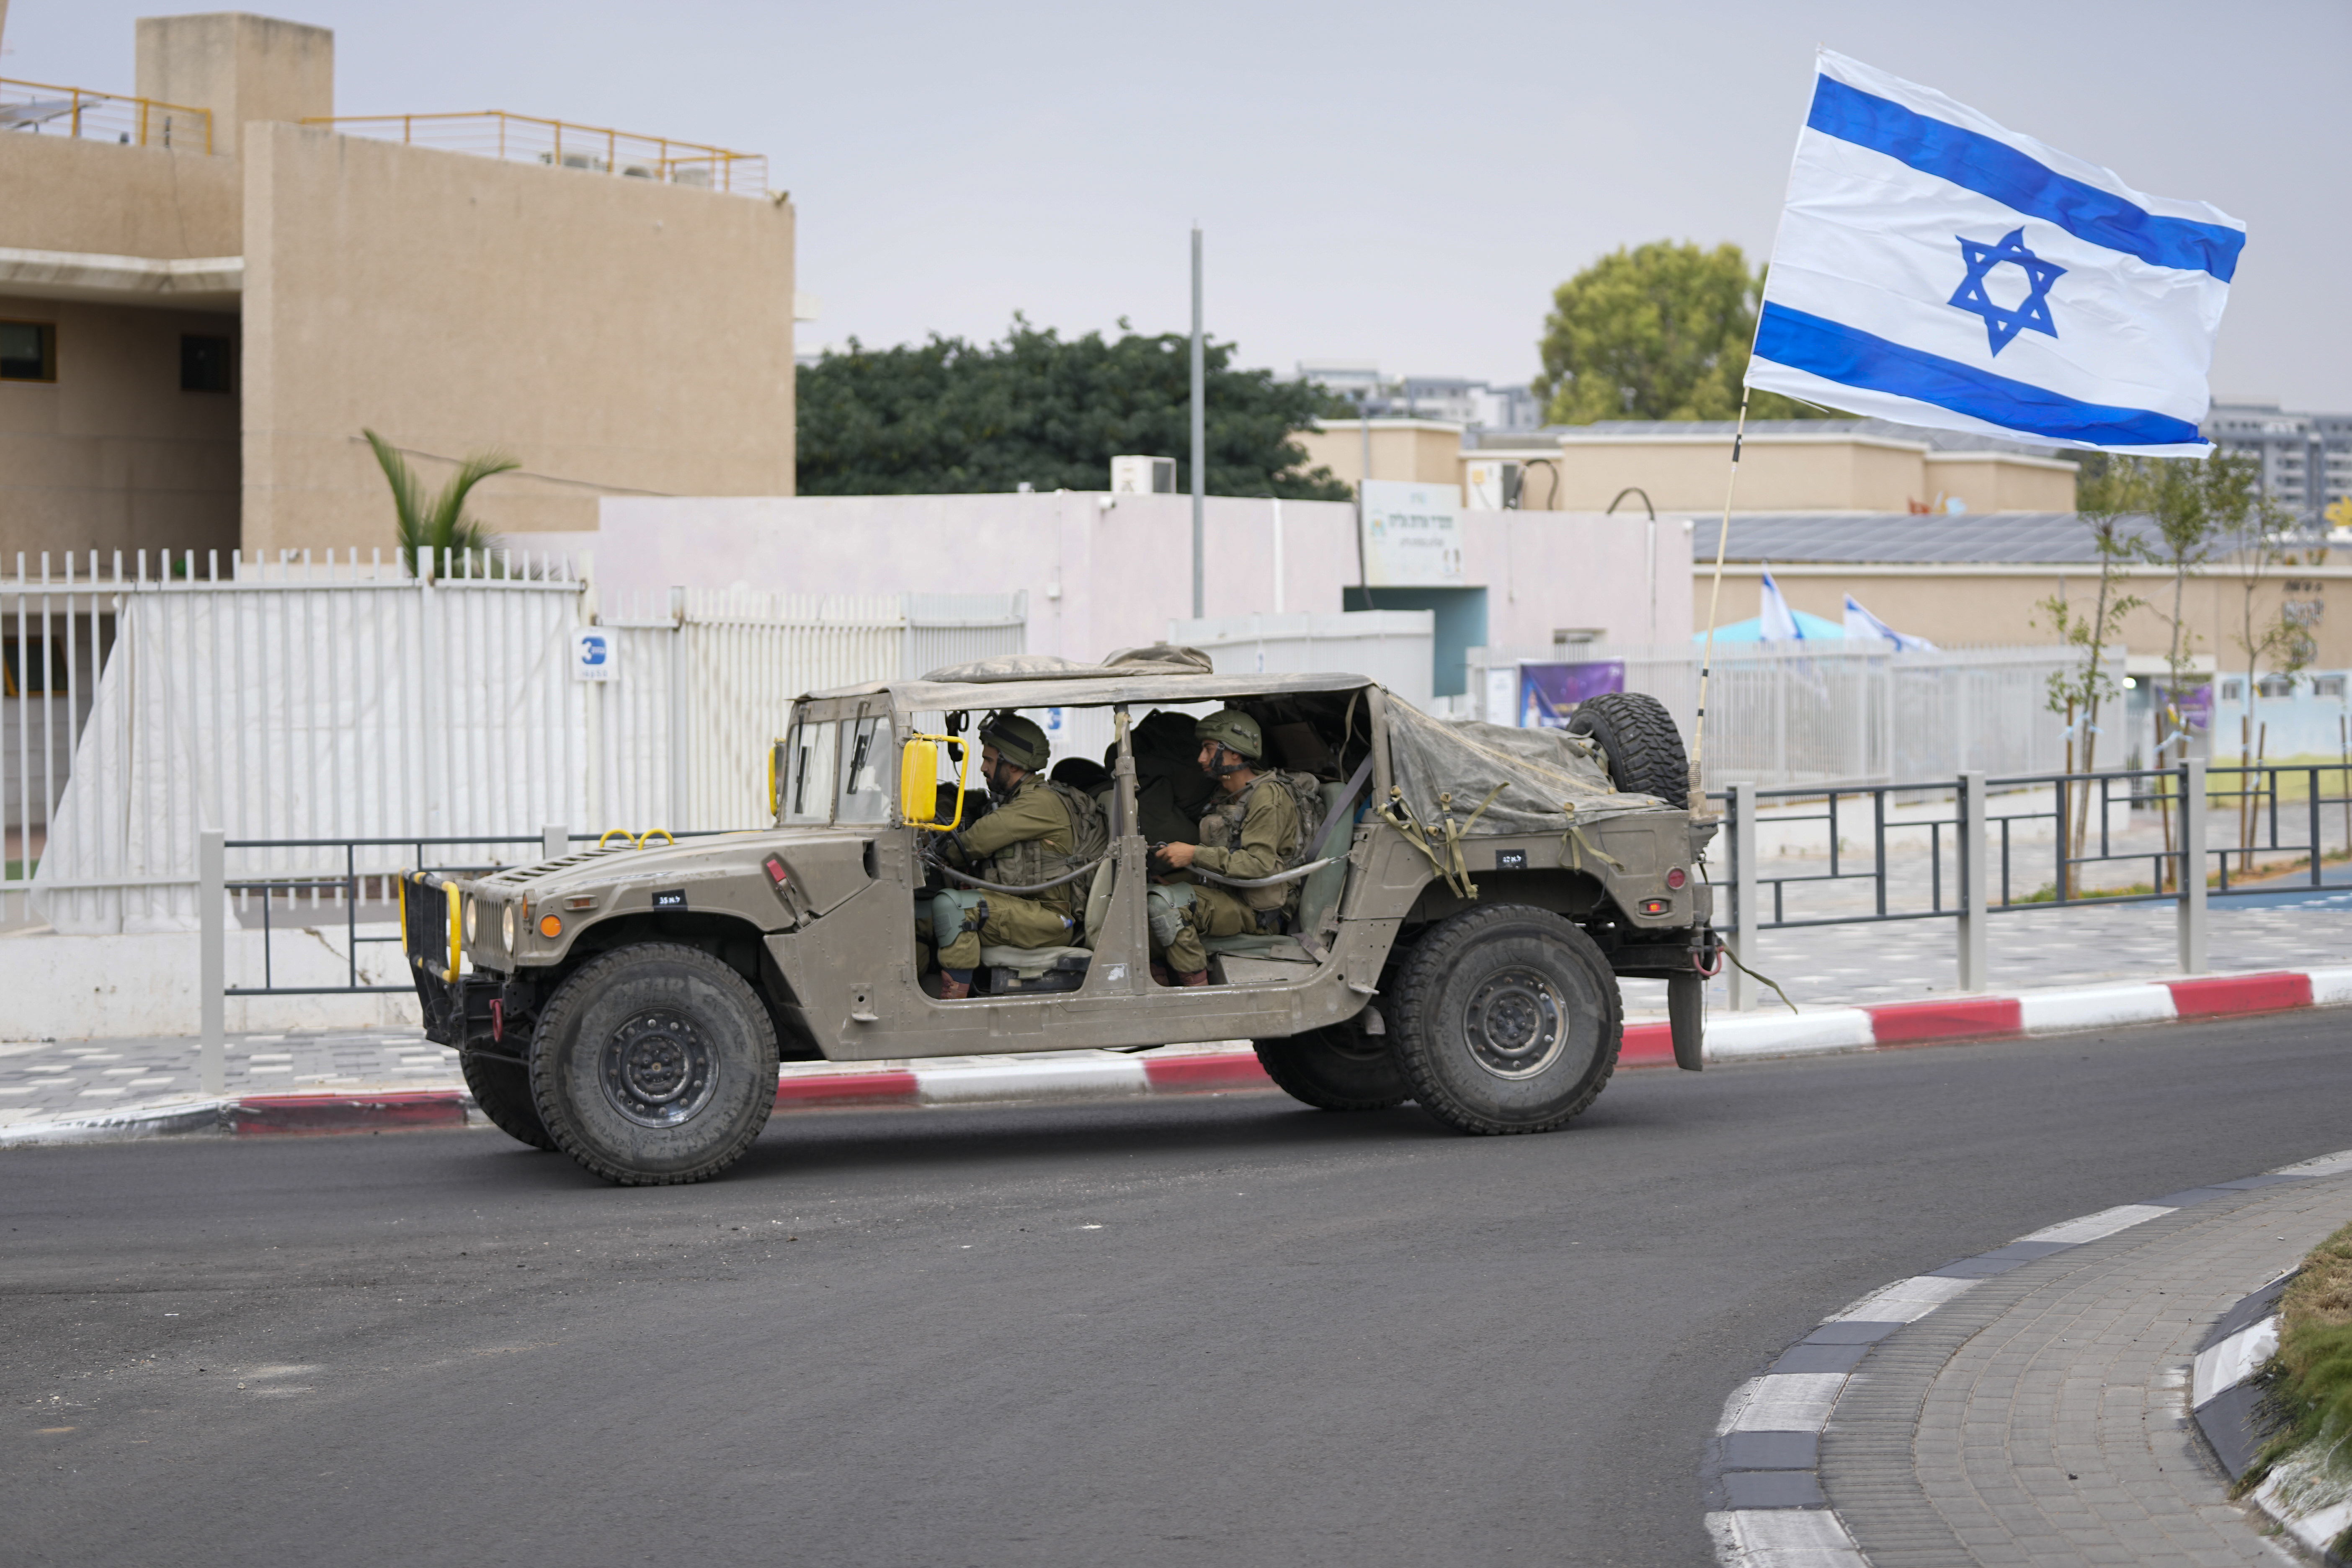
<point x="1402" y="184"/>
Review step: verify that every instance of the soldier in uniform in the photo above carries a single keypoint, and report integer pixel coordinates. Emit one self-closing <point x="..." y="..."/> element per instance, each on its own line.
<point x="1026" y="839"/>
<point x="1252" y="831"/>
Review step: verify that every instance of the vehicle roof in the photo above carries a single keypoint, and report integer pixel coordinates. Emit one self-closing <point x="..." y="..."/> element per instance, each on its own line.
<point x="1091" y="690"/>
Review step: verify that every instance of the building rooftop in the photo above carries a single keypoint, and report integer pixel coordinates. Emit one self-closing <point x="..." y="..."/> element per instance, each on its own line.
<point x="2021" y="537"/>
<point x="1883" y="429"/>
<point x="530" y="138"/>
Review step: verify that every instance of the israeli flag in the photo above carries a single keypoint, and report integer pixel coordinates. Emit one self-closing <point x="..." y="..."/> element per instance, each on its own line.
<point x="1935" y="269"/>
<point x="1860" y="623"/>
<point x="1775" y="622"/>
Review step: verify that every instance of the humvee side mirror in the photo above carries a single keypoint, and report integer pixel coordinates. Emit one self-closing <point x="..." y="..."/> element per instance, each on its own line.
<point x="776" y="771"/>
<point x="918" y="783"/>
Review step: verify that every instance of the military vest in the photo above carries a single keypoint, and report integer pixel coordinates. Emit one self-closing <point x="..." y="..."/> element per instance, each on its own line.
<point x="1221" y="829"/>
<point x="1033" y="861"/>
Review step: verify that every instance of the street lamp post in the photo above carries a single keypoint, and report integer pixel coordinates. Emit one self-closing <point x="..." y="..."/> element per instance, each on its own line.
<point x="1200" y="433"/>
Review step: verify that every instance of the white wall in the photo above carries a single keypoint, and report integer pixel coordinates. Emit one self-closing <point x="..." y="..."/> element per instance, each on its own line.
<point x="1392" y="646"/>
<point x="1100" y="579"/>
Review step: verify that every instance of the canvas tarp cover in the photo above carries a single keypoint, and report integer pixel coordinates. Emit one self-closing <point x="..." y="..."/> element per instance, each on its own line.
<point x="1539" y="771"/>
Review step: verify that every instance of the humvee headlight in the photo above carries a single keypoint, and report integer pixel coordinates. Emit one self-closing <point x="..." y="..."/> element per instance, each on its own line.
<point x="473" y="916"/>
<point x="506" y="926"/>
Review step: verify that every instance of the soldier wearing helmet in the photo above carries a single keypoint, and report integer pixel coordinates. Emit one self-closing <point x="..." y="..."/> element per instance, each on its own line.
<point x="1252" y="831"/>
<point x="1027" y="838"/>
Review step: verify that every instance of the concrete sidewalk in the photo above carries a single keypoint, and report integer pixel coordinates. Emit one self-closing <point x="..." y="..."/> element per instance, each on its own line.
<point x="2038" y="947"/>
<point x="2031" y="1405"/>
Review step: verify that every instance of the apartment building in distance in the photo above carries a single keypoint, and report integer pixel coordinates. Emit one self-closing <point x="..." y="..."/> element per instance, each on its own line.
<point x="2306" y="459"/>
<point x="210" y="285"/>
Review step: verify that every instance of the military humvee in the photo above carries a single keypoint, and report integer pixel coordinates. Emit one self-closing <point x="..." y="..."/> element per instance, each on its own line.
<point x="1465" y="910"/>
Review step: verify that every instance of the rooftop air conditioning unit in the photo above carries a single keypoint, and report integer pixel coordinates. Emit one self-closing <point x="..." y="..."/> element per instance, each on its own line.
<point x="1143" y="476"/>
<point x="1494" y="484"/>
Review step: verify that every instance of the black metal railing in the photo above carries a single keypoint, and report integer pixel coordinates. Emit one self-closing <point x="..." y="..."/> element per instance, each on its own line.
<point x="2080" y="806"/>
<point x="350" y="887"/>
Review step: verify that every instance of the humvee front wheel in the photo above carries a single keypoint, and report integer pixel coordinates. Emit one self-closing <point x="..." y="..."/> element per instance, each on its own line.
<point x="654" y="1065"/>
<point x="1338" y="1067"/>
<point x="1507" y="1020"/>
<point x="502" y="1091"/>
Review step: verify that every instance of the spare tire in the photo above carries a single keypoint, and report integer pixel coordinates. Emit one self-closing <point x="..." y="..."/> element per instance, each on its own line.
<point x="1638" y="738"/>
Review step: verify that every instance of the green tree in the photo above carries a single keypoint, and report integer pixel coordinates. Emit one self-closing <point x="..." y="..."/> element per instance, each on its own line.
<point x="2104" y="500"/>
<point x="1661" y="331"/>
<point x="946" y="416"/>
<point x="2196" y="507"/>
<point x="437" y="522"/>
<point x="2282" y="638"/>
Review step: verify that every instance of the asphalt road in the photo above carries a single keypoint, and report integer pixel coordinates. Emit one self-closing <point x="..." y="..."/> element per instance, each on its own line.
<point x="1212" y="1331"/>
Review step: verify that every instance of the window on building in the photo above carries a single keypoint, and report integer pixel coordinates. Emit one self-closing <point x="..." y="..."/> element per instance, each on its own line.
<point x="28" y="351"/>
<point x="204" y="363"/>
<point x="2328" y="686"/>
<point x="2275" y="686"/>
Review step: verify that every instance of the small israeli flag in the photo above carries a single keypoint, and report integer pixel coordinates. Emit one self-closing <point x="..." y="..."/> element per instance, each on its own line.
<point x="1937" y="270"/>
<point x="1775" y="622"/>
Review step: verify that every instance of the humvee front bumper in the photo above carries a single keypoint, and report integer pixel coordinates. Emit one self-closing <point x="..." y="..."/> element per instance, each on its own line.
<point x="471" y="1012"/>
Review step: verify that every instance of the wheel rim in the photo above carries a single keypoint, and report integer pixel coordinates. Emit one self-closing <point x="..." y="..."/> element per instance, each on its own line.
<point x="1353" y="1045"/>
<point x="657" y="1068"/>
<point x="1517" y="1024"/>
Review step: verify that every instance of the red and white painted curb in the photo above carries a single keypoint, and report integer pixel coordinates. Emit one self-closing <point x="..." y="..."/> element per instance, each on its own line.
<point x="1228" y="1067"/>
<point x="2058" y="1011"/>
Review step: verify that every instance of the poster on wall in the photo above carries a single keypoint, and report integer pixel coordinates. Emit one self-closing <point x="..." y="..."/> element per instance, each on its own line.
<point x="1412" y="535"/>
<point x="2194" y="704"/>
<point x="1549" y="693"/>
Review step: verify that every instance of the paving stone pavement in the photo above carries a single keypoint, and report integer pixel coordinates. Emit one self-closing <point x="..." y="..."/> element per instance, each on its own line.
<point x="2033" y="949"/>
<point x="2042" y="1417"/>
<point x="46" y="1080"/>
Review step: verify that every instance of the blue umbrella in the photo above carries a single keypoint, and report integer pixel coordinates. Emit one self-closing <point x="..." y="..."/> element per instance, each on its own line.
<point x="1752" y="630"/>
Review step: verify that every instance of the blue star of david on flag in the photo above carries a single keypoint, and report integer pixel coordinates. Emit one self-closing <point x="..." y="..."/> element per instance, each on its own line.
<point x="2002" y="323"/>
<point x="1860" y="314"/>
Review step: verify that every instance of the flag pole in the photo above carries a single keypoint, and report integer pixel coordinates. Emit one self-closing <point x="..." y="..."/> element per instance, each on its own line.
<point x="1714" y="599"/>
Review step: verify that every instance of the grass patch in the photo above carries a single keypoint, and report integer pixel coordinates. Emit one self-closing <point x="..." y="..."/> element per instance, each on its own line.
<point x="2310" y="1378"/>
<point x="2222" y="790"/>
<point x="18" y="870"/>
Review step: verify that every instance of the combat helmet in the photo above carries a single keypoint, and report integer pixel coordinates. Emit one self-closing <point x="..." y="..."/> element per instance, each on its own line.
<point x="1017" y="739"/>
<point x="1233" y="729"/>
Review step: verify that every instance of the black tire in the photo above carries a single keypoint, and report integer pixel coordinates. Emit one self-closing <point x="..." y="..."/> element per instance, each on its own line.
<point x="1338" y="1067"/>
<point x="1507" y="1020"/>
<point x="502" y="1093"/>
<point x="1638" y="737"/>
<point x="654" y="1065"/>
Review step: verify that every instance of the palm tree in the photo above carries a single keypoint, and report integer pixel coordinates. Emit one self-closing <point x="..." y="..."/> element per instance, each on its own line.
<point x="438" y="522"/>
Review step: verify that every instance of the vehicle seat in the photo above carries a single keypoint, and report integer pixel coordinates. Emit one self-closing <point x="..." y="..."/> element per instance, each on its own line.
<point x="1319" y="901"/>
<point x="1319" y="905"/>
<point x="1052" y="968"/>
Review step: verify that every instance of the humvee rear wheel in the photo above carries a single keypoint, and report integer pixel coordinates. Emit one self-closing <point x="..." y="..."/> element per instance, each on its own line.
<point x="1507" y="1020"/>
<point x="655" y="1064"/>
<point x="502" y="1093"/>
<point x="1338" y="1067"/>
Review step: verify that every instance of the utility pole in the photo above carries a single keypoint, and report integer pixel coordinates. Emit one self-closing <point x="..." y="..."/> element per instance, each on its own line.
<point x="1199" y="434"/>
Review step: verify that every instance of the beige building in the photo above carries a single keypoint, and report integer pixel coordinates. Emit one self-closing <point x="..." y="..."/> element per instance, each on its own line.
<point x="1985" y="580"/>
<point x="1793" y="465"/>
<point x="209" y="288"/>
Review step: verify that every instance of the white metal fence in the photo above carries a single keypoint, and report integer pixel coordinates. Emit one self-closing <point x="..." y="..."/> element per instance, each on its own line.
<point x="1826" y="714"/>
<point x="343" y="700"/>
